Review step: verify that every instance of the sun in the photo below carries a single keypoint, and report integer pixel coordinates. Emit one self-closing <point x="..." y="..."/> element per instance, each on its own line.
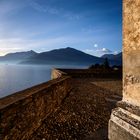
<point x="95" y="45"/>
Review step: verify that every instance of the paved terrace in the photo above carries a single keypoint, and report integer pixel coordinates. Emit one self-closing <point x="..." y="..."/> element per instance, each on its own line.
<point x="85" y="112"/>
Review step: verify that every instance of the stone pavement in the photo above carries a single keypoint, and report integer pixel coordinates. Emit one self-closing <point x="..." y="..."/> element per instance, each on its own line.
<point x="84" y="114"/>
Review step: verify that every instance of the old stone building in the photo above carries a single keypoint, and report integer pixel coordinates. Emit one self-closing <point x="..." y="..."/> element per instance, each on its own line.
<point x="125" y="120"/>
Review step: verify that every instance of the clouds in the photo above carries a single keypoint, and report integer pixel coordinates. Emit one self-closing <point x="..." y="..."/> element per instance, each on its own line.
<point x="23" y="44"/>
<point x="98" y="51"/>
<point x="8" y="45"/>
<point x="104" y="50"/>
<point x="43" y="8"/>
<point x="11" y="45"/>
<point x="54" y="10"/>
<point x="48" y="24"/>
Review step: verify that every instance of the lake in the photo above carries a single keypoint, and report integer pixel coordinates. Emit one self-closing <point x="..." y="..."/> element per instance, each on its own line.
<point x="14" y="78"/>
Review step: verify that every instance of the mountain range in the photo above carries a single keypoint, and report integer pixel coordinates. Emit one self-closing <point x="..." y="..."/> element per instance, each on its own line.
<point x="17" y="57"/>
<point x="114" y="57"/>
<point x="59" y="56"/>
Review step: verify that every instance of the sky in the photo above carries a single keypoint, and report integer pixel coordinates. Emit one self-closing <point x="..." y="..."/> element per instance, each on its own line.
<point x="92" y="26"/>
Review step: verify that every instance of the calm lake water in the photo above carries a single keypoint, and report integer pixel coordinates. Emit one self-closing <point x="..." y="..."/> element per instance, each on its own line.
<point x="14" y="78"/>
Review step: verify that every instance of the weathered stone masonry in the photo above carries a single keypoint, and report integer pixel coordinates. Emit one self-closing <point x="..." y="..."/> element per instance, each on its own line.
<point x="125" y="120"/>
<point x="22" y="113"/>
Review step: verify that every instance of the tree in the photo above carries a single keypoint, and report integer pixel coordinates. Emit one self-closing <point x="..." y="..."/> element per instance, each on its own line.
<point x="95" y="66"/>
<point x="106" y="63"/>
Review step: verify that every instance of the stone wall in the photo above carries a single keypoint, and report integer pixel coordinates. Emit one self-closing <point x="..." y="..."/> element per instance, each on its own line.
<point x="97" y="73"/>
<point x="23" y="112"/>
<point x="56" y="73"/>
<point x="131" y="51"/>
<point x="125" y="120"/>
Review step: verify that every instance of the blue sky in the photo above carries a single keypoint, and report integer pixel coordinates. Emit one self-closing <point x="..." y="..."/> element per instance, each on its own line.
<point x="92" y="26"/>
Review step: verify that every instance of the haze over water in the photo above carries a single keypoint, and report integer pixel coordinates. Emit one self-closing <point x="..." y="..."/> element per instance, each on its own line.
<point x="91" y="26"/>
<point x="14" y="78"/>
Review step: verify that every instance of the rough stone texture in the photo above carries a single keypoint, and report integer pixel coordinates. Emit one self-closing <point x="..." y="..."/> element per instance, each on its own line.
<point x="129" y="107"/>
<point x="56" y="73"/>
<point x="124" y="125"/>
<point x="83" y="115"/>
<point x="125" y="120"/>
<point x="114" y="86"/>
<point x="84" y="73"/>
<point x="22" y="113"/>
<point x="131" y="25"/>
<point x="131" y="51"/>
<point x="131" y="90"/>
<point x="119" y="133"/>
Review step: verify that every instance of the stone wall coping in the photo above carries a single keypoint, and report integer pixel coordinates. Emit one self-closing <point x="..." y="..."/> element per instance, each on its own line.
<point x="126" y="116"/>
<point x="15" y="97"/>
<point x="66" y="71"/>
<point x="129" y="107"/>
<point x="59" y="70"/>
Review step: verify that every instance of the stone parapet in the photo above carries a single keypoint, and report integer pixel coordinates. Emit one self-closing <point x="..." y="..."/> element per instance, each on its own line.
<point x="82" y="73"/>
<point x="56" y="73"/>
<point x="23" y="112"/>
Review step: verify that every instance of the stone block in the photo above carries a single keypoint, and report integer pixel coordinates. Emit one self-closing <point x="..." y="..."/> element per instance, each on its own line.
<point x="124" y="125"/>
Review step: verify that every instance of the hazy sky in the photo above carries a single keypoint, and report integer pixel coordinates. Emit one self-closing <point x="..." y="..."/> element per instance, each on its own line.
<point x="93" y="26"/>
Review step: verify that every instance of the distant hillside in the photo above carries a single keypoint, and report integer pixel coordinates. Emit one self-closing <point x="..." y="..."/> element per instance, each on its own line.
<point x="59" y="56"/>
<point x="17" y="56"/>
<point x="63" y="56"/>
<point x="112" y="57"/>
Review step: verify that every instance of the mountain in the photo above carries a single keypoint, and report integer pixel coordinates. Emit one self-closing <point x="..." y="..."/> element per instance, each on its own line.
<point x="113" y="57"/>
<point x="109" y="56"/>
<point x="17" y="56"/>
<point x="59" y="56"/>
<point x="63" y="56"/>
